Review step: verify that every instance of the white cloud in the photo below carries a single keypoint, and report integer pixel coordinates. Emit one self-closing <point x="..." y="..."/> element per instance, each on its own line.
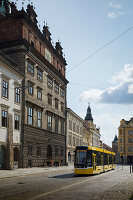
<point x="125" y="75"/>
<point x="112" y="15"/>
<point x="130" y="89"/>
<point x="117" y="10"/>
<point x="120" y="93"/>
<point x="115" y="5"/>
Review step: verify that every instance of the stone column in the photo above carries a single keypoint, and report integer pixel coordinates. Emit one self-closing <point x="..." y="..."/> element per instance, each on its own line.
<point x="10" y="143"/>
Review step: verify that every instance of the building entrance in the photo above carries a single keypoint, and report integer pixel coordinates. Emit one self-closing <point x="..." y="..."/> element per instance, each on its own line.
<point x="2" y="157"/>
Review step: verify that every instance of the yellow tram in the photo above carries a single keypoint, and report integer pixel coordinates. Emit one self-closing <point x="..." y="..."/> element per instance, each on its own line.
<point x="93" y="160"/>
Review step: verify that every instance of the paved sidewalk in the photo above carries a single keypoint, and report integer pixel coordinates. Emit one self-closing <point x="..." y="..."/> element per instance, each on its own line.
<point x="29" y="171"/>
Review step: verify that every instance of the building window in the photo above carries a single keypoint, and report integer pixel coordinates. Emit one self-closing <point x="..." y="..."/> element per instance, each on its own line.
<point x="130" y="140"/>
<point x="29" y="150"/>
<point x="30" y="116"/>
<point x="70" y="140"/>
<point x="120" y="140"/>
<point x="50" y="82"/>
<point x="56" y="125"/>
<point x="39" y="94"/>
<point x="56" y="103"/>
<point x="56" y="87"/>
<point x="130" y="132"/>
<point x="120" y="149"/>
<point x="4" y="118"/>
<point x="50" y="99"/>
<point x="81" y="130"/>
<point x="62" y="107"/>
<point x="130" y="149"/>
<point x="39" y="118"/>
<point x="30" y="89"/>
<point x="62" y="92"/>
<point x="16" y="122"/>
<point x="73" y="141"/>
<point x="39" y="74"/>
<point x="17" y="95"/>
<point x="62" y="127"/>
<point x="49" y="122"/>
<point x="5" y="89"/>
<point x="38" y="151"/>
<point x="78" y="129"/>
<point x="48" y="55"/>
<point x="73" y="126"/>
<point x="70" y="125"/>
<point x="30" y="68"/>
<point x="120" y="132"/>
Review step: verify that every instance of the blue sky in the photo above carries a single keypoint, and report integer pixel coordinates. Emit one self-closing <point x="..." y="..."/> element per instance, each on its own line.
<point x="84" y="26"/>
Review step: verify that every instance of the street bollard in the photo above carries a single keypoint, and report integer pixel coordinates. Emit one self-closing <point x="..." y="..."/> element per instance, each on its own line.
<point x="132" y="168"/>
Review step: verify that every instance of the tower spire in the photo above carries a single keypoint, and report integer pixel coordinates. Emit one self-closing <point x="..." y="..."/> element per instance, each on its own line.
<point x="88" y="116"/>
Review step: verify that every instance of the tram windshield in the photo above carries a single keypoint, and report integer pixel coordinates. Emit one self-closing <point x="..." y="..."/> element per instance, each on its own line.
<point x="81" y="157"/>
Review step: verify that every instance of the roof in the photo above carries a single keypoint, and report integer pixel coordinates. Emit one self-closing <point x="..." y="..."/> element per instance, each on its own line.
<point x="97" y="149"/>
<point x="76" y="115"/>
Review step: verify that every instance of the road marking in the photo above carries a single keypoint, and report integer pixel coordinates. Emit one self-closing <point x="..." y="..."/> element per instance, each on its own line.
<point x="65" y="187"/>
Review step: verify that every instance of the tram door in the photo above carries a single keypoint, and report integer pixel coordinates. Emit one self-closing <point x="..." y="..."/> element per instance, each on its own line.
<point x="94" y="161"/>
<point x="102" y="161"/>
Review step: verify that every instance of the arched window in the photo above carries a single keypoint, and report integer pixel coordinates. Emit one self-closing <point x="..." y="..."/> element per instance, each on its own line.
<point x="16" y="154"/>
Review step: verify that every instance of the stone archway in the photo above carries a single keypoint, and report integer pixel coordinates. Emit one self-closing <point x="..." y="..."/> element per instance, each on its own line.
<point x="16" y="157"/>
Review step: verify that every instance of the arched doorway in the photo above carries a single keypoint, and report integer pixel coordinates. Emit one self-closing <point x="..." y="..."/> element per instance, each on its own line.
<point x="2" y="157"/>
<point x="49" y="152"/>
<point x="16" y="158"/>
<point x="69" y="156"/>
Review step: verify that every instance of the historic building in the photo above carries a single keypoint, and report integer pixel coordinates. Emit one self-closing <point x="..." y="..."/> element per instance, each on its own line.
<point x="115" y="144"/>
<point x="74" y="133"/>
<point x="115" y="148"/>
<point x="90" y="130"/>
<point x="43" y="88"/>
<point x="125" y="141"/>
<point x="10" y="113"/>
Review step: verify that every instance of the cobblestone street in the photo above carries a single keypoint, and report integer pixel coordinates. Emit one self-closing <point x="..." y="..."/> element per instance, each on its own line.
<point x="61" y="183"/>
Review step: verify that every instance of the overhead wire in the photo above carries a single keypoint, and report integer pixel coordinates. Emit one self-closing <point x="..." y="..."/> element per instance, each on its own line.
<point x="101" y="48"/>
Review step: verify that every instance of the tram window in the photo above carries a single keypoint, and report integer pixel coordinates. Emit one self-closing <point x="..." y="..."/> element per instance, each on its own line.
<point x="110" y="159"/>
<point x="105" y="159"/>
<point x="89" y="158"/>
<point x="98" y="158"/>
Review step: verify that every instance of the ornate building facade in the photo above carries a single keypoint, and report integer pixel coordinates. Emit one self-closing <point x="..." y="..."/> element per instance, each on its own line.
<point x="90" y="130"/>
<point x="43" y="138"/>
<point x="125" y="141"/>
<point x="74" y="133"/>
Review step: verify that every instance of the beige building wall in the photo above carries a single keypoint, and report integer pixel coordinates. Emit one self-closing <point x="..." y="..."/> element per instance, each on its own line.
<point x="125" y="141"/>
<point x="74" y="133"/>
